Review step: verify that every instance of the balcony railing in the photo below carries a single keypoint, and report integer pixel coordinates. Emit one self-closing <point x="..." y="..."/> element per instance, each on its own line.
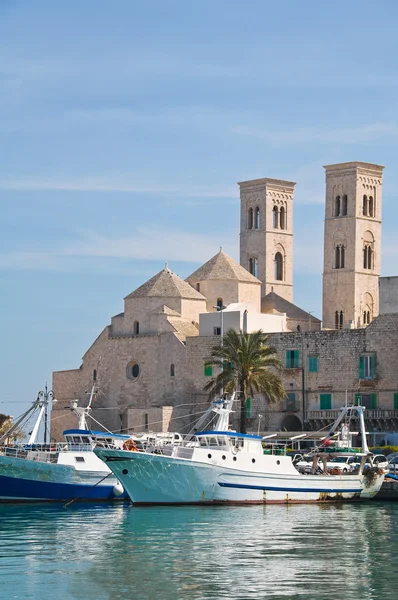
<point x="370" y="413"/>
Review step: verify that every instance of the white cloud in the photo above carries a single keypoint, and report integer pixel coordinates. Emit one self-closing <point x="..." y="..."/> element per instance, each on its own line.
<point x="307" y="135"/>
<point x="147" y="244"/>
<point x="119" y="185"/>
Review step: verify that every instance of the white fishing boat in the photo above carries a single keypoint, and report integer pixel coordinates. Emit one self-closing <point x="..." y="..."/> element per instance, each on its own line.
<point x="33" y="472"/>
<point x="219" y="466"/>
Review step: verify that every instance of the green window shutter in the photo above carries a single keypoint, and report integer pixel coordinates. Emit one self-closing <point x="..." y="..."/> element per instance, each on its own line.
<point x="248" y="408"/>
<point x="287" y="359"/>
<point x="313" y="364"/>
<point x="395" y="400"/>
<point x="373" y="400"/>
<point x="295" y="358"/>
<point x="372" y="366"/>
<point x="208" y="370"/>
<point x="291" y="401"/>
<point x="358" y="399"/>
<point x="361" y="367"/>
<point x="325" y="401"/>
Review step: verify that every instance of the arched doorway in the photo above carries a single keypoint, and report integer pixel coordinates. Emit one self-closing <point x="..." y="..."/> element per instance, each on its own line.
<point x="291" y="423"/>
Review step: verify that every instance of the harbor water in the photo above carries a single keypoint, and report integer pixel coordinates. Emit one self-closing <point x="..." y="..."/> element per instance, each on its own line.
<point x="109" y="552"/>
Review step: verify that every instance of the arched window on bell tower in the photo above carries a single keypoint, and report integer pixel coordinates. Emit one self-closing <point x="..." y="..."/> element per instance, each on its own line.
<point x="250" y="218"/>
<point x="251" y="266"/>
<point x="257" y="218"/>
<point x="282" y="218"/>
<point x="367" y="257"/>
<point x="275" y="217"/>
<point x="336" y="319"/>
<point x="344" y="206"/>
<point x="337" y="206"/>
<point x="255" y="267"/>
<point x="371" y="207"/>
<point x="337" y="257"/>
<point x="278" y="274"/>
<point x="341" y="319"/>
<point x="365" y="206"/>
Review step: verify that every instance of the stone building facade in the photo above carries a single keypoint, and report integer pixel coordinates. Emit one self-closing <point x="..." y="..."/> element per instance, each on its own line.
<point x="352" y="244"/>
<point x="151" y="363"/>
<point x="266" y="233"/>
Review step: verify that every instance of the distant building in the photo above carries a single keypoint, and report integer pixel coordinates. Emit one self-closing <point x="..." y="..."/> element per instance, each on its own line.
<point x="152" y="361"/>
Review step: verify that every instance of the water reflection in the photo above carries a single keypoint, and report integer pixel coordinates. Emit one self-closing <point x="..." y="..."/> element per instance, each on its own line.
<point x="102" y="552"/>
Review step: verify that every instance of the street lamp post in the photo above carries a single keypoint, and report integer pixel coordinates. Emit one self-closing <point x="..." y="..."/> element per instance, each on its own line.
<point x="259" y="420"/>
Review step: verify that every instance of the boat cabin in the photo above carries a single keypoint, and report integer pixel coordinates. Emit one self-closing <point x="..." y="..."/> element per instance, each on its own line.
<point x="224" y="440"/>
<point x="85" y="440"/>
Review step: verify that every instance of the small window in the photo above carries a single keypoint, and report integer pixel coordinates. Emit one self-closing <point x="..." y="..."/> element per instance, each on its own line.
<point x="79" y="459"/>
<point x="172" y="370"/>
<point x="95" y="375"/>
<point x="395" y="400"/>
<point x="367" y="366"/>
<point x="133" y="370"/>
<point x="208" y="370"/>
<point x="216" y="330"/>
<point x="198" y="287"/>
<point x="146" y="422"/>
<point x="251" y="266"/>
<point x="336" y="319"/>
<point x="136" y="327"/>
<point x="341" y="323"/>
<point x="292" y="359"/>
<point x="219" y="302"/>
<point x="325" y="401"/>
<point x="313" y="364"/>
<point x="366" y="400"/>
<point x="291" y="402"/>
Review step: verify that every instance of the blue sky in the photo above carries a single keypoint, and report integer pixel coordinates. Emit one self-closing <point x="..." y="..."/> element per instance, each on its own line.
<point x="124" y="127"/>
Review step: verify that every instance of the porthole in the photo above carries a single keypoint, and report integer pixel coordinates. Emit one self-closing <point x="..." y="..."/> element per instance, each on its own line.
<point x="253" y="460"/>
<point x="133" y="370"/>
<point x="278" y="462"/>
<point x="224" y="457"/>
<point x="124" y="471"/>
<point x="234" y="458"/>
<point x="209" y="456"/>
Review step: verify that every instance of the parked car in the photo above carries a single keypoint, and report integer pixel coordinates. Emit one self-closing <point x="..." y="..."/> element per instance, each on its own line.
<point x="379" y="460"/>
<point x="393" y="463"/>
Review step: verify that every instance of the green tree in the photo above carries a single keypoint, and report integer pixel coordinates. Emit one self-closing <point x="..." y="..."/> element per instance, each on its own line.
<point x="245" y="361"/>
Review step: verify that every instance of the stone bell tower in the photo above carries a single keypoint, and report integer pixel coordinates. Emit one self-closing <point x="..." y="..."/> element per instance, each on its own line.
<point x="266" y="233"/>
<point x="352" y="244"/>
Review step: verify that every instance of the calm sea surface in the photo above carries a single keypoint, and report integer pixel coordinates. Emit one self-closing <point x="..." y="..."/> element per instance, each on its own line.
<point x="111" y="552"/>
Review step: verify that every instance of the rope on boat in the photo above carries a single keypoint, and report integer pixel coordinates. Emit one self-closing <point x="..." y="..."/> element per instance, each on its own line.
<point x="78" y="497"/>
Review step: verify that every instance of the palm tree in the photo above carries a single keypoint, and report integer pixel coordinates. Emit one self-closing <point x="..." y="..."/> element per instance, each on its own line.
<point x="244" y="360"/>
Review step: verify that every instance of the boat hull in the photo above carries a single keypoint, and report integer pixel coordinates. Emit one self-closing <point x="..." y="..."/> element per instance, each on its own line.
<point x="23" y="480"/>
<point x="158" y="479"/>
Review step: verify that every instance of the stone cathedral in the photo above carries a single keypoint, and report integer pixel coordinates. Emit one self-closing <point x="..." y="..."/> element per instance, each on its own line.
<point x="151" y="362"/>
